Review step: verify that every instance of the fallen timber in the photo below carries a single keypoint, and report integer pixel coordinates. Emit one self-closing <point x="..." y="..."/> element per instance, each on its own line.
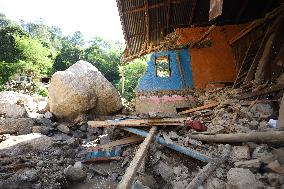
<point x="276" y="137"/>
<point x="181" y="149"/>
<point x="139" y="122"/>
<point x="209" y="169"/>
<point x="129" y="175"/>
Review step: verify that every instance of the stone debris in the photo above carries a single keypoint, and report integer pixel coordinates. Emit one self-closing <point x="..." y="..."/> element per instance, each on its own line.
<point x="75" y="173"/>
<point x="242" y="179"/>
<point x="63" y="128"/>
<point x="253" y="165"/>
<point x="15" y="126"/>
<point x="45" y="152"/>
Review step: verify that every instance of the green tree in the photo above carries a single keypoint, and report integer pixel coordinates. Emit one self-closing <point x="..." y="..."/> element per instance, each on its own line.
<point x="68" y="55"/>
<point x="77" y="39"/>
<point x="4" y="21"/>
<point x="33" y="52"/>
<point x="131" y="73"/>
<point x="106" y="57"/>
<point x="8" y="50"/>
<point x="7" y="70"/>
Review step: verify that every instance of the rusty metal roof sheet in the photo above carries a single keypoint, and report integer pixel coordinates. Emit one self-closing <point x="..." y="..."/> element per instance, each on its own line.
<point x="146" y="23"/>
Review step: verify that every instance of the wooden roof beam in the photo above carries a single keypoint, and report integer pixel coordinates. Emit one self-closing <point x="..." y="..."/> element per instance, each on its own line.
<point x="194" y="2"/>
<point x="139" y="9"/>
<point x="147" y="22"/>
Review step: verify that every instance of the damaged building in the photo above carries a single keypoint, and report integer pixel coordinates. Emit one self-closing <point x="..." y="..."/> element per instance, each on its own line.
<point x="199" y="44"/>
<point x="208" y="112"/>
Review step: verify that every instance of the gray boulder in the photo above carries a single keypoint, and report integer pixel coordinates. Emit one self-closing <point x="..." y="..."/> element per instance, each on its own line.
<point x="80" y="88"/>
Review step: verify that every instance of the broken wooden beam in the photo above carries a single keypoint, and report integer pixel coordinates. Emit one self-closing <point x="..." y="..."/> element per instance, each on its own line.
<point x="124" y="141"/>
<point x="206" y="106"/>
<point x="209" y="169"/>
<point x="275" y="137"/>
<point x="187" y="151"/>
<point x="139" y="122"/>
<point x="266" y="91"/>
<point x="260" y="22"/>
<point x="129" y="175"/>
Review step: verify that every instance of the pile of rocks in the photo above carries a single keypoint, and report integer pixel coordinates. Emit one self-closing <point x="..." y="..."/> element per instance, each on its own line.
<point x="41" y="144"/>
<point x="38" y="148"/>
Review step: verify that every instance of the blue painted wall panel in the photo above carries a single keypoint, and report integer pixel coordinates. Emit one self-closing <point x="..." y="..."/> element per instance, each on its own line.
<point x="150" y="82"/>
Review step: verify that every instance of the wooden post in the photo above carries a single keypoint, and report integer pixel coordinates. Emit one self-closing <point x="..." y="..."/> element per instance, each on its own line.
<point x="123" y="82"/>
<point x="129" y="175"/>
<point x="275" y="137"/>
<point x="181" y="71"/>
<point x="280" y="122"/>
<point x="209" y="169"/>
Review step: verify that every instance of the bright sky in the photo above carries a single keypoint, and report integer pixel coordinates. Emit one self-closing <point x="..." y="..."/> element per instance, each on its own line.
<point x="91" y="17"/>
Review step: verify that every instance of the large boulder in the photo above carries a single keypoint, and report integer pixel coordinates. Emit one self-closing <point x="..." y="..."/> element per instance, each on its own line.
<point x="80" y="88"/>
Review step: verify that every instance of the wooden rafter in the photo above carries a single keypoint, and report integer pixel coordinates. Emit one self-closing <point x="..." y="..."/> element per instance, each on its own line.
<point x="194" y="2"/>
<point x="168" y="15"/>
<point x="139" y="9"/>
<point x="147" y="22"/>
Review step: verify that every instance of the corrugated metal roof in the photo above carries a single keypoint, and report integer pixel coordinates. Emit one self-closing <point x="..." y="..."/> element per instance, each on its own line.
<point x="146" y="23"/>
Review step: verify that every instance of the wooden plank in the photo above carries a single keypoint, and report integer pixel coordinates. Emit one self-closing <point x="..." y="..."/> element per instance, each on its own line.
<point x="139" y="122"/>
<point x="209" y="169"/>
<point x="129" y="175"/>
<point x="206" y="106"/>
<point x="251" y="71"/>
<point x="264" y="61"/>
<point x="147" y="21"/>
<point x="276" y="137"/>
<point x="153" y="6"/>
<point x="266" y="91"/>
<point x="128" y="140"/>
<point x="242" y="66"/>
<point x="216" y="9"/>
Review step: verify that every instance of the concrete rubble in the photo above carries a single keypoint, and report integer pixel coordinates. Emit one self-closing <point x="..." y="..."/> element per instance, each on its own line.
<point x="45" y="152"/>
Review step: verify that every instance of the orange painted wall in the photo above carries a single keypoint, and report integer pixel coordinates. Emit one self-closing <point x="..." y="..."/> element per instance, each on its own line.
<point x="215" y="63"/>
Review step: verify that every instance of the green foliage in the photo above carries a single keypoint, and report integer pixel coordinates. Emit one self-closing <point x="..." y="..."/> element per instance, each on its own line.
<point x="43" y="49"/>
<point x="8" y="50"/>
<point x="106" y="57"/>
<point x="43" y="91"/>
<point x="68" y="55"/>
<point x="7" y="70"/>
<point x="35" y="54"/>
<point x="132" y="72"/>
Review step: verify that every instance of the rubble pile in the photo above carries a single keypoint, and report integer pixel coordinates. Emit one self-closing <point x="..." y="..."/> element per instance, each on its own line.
<point x="38" y="150"/>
